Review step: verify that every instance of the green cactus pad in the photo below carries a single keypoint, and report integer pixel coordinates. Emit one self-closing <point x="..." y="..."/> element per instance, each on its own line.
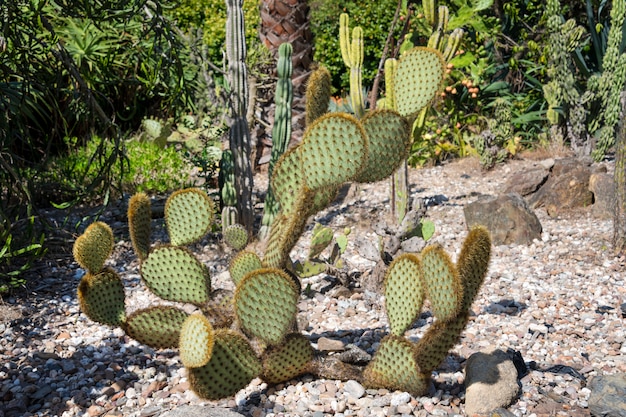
<point x="287" y="180"/>
<point x="236" y="236"/>
<point x="404" y="292"/>
<point x="93" y="247"/>
<point x="173" y="273"/>
<point x="418" y="77"/>
<point x="389" y="140"/>
<point x="318" y="91"/>
<point x="284" y="234"/>
<point x="290" y="359"/>
<point x="333" y="150"/>
<point x="443" y="284"/>
<point x="321" y="199"/>
<point x="101" y="297"/>
<point x="243" y="263"/>
<point x="188" y="214"/>
<point x="196" y="341"/>
<point x="320" y="239"/>
<point x="309" y="269"/>
<point x="158" y="326"/>
<point x="139" y="219"/>
<point x="394" y="368"/>
<point x="440" y="337"/>
<point x="473" y="263"/>
<point x="233" y="365"/>
<point x="266" y="304"/>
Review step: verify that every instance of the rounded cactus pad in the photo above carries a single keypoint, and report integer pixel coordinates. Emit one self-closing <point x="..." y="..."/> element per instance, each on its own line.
<point x="333" y="150"/>
<point x="404" y="292"/>
<point x="236" y="236"/>
<point x="440" y="337"/>
<point x="266" y="304"/>
<point x="188" y="214"/>
<point x="173" y="273"/>
<point x="290" y="359"/>
<point x="93" y="247"/>
<point x="139" y="219"/>
<point x="443" y="284"/>
<point x="243" y="263"/>
<point x="101" y="297"/>
<point x="318" y="90"/>
<point x="158" y="326"/>
<point x="389" y="140"/>
<point x="232" y="366"/>
<point x="473" y="263"/>
<point x="196" y="341"/>
<point x="394" y="368"/>
<point x="418" y="77"/>
<point x="287" y="180"/>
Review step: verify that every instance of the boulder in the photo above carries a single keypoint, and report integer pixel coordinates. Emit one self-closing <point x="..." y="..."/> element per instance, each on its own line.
<point x="608" y="395"/>
<point x="567" y="186"/>
<point x="526" y="182"/>
<point x="507" y="217"/>
<point x="602" y="186"/>
<point x="491" y="382"/>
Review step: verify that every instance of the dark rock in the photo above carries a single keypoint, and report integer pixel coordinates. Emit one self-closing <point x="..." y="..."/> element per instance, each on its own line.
<point x="602" y="186"/>
<point x="608" y="395"/>
<point x="200" y="411"/>
<point x="567" y="186"/>
<point x="507" y="217"/>
<point x="526" y="182"/>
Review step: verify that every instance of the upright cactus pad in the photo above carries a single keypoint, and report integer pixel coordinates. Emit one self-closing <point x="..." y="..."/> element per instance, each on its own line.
<point x="139" y="219"/>
<point x="189" y="214"/>
<point x="443" y="284"/>
<point x="197" y="338"/>
<point x="394" y="367"/>
<point x="236" y="236"/>
<point x="266" y="304"/>
<point x="243" y="263"/>
<point x="232" y="366"/>
<point x="404" y="292"/>
<point x="290" y="359"/>
<point x="440" y="337"/>
<point x="101" y="297"/>
<point x="287" y="179"/>
<point x="93" y="247"/>
<point x="158" y="327"/>
<point x="333" y="150"/>
<point x="418" y="77"/>
<point x="173" y="273"/>
<point x="320" y="239"/>
<point x="388" y="141"/>
<point x="473" y="263"/>
<point x="318" y="91"/>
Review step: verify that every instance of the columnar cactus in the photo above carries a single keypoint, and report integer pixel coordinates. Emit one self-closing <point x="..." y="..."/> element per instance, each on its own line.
<point x="352" y="54"/>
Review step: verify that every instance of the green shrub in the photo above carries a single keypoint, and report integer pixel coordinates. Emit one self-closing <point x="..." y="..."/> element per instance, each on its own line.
<point x="22" y="247"/>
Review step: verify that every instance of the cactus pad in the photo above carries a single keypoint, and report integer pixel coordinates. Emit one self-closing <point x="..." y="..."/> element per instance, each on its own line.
<point x="266" y="304"/>
<point x="93" y="247"/>
<point x="243" y="263"/>
<point x="101" y="297"/>
<point x="473" y="263"/>
<point x="404" y="292"/>
<point x="232" y="366"/>
<point x="139" y="219"/>
<point x="394" y="368"/>
<point x="389" y="140"/>
<point x="287" y="180"/>
<point x="236" y="236"/>
<point x="318" y="90"/>
<point x="418" y="77"/>
<point x="333" y="150"/>
<point x="443" y="284"/>
<point x="287" y="361"/>
<point x="158" y="327"/>
<point x="173" y="273"/>
<point x="440" y="337"/>
<point x="196" y="341"/>
<point x="320" y="239"/>
<point x="188" y="214"/>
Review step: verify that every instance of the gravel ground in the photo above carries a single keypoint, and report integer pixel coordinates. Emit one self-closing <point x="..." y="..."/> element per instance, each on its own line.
<point x="556" y="301"/>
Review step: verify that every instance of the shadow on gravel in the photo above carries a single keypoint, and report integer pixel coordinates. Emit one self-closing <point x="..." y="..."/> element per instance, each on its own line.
<point x="506" y="306"/>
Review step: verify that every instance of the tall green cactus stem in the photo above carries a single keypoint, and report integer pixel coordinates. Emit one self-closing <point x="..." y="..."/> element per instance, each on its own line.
<point x="239" y="139"/>
<point x="139" y="221"/>
<point x="228" y="191"/>
<point x="352" y="54"/>
<point x="318" y="91"/>
<point x="281" y="132"/>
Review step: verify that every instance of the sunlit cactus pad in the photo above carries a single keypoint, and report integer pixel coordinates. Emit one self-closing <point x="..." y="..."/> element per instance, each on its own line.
<point x="290" y="359"/>
<point x="266" y="304"/>
<point x="101" y="297"/>
<point x="243" y="263"/>
<point x="93" y="247"/>
<point x="188" y="214"/>
<point x="404" y="292"/>
<point x="173" y="273"/>
<point x="440" y="337"/>
<point x="418" y="77"/>
<point x="473" y="263"/>
<point x="158" y="327"/>
<point x="388" y="141"/>
<point x="196" y="341"/>
<point x="139" y="219"/>
<point x="232" y="366"/>
<point x="443" y="285"/>
<point x="287" y="179"/>
<point x="236" y="236"/>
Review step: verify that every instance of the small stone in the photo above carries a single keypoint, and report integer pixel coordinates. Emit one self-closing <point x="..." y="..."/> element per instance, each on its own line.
<point x="354" y="389"/>
<point x="325" y="344"/>
<point x="68" y="367"/>
<point x="400" y="398"/>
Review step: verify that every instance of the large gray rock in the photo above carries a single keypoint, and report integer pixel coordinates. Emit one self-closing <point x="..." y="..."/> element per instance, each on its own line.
<point x="526" y="182"/>
<point x="507" y="217"/>
<point x="567" y="186"/>
<point x="608" y="395"/>
<point x="200" y="411"/>
<point x="491" y="382"/>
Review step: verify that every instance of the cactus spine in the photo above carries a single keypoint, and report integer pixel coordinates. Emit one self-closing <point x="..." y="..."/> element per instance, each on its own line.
<point x="352" y="54"/>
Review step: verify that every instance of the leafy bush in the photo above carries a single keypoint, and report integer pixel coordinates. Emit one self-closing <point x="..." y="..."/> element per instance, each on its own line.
<point x="21" y="248"/>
